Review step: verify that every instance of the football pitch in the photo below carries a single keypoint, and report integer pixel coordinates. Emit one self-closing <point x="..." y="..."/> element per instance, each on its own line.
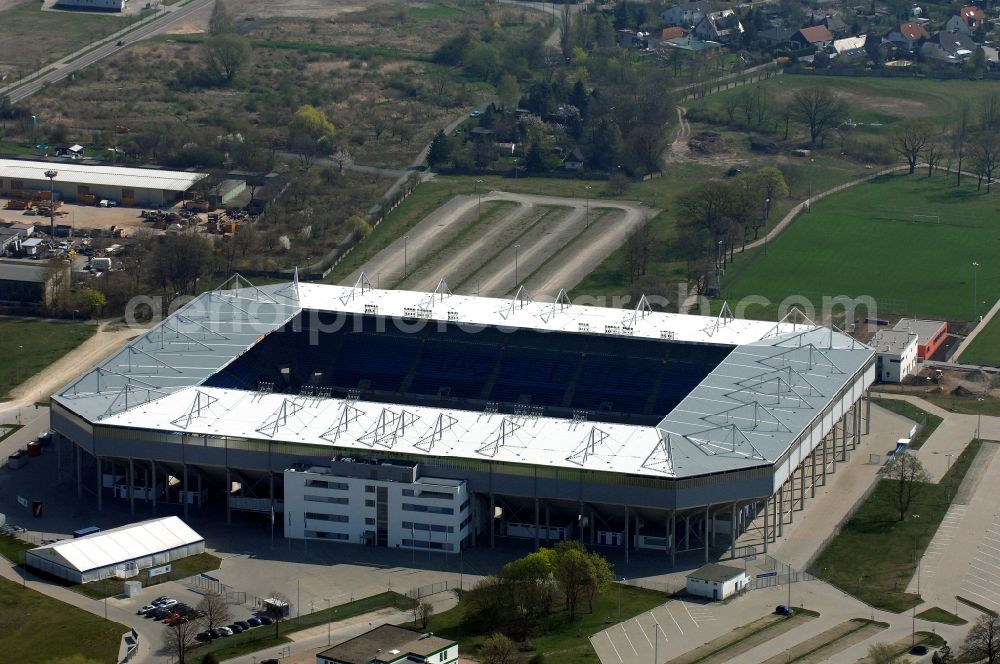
<point x="916" y="245"/>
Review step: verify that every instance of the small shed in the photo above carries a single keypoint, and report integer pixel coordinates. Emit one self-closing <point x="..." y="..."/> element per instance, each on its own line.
<point x="717" y="582"/>
<point x="223" y="193"/>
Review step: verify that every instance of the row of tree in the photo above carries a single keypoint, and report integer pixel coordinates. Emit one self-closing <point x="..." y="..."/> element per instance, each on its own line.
<point x="520" y="599"/>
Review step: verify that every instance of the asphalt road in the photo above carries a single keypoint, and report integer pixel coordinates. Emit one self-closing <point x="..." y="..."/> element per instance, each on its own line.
<point x="59" y="70"/>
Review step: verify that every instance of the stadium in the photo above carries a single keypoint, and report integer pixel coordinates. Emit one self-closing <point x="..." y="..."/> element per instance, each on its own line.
<point x="441" y="421"/>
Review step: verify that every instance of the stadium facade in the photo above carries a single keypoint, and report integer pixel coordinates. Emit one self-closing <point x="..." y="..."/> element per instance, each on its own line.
<point x="439" y="421"/>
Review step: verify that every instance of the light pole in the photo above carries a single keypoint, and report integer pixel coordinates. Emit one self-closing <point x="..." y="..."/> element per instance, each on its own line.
<point x="405" y="238"/>
<point x="718" y="260"/>
<point x="516" y="248"/>
<point x="948" y="473"/>
<point x="975" y="297"/>
<point x="588" y="207"/>
<point x="51" y="175"/>
<point x="479" y="194"/>
<point x="767" y="213"/>
<point x="979" y="417"/>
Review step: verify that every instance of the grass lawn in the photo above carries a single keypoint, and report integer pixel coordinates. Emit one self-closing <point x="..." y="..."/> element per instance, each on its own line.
<point x="849" y="245"/>
<point x="977" y="607"/>
<point x="37" y="628"/>
<point x="565" y="642"/>
<point x="875" y="555"/>
<point x="965" y="405"/>
<point x="263" y="637"/>
<point x="180" y="569"/>
<point x="937" y="614"/>
<point x="911" y="412"/>
<point x="43" y="343"/>
<point x="64" y="32"/>
<point x="985" y="348"/>
<point x="13" y="549"/>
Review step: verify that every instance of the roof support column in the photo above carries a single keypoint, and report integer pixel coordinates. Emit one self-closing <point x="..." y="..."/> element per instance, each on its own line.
<point x="672" y="531"/>
<point x="131" y="486"/>
<point x="767" y="508"/>
<point x="708" y="515"/>
<point x="198" y="476"/>
<point x="492" y="521"/>
<point x="79" y="470"/>
<point x="184" y="499"/>
<point x="548" y="531"/>
<point x="627" y="544"/>
<point x="812" y="479"/>
<point x="145" y="478"/>
<point x="868" y="414"/>
<point x="779" y="517"/>
<point x="843" y="438"/>
<point x="732" y="529"/>
<point x="857" y="425"/>
<point x="593" y="530"/>
<point x="537" y="524"/>
<point x="229" y="497"/>
<point x="833" y="449"/>
<point x="152" y="464"/>
<point x="100" y="484"/>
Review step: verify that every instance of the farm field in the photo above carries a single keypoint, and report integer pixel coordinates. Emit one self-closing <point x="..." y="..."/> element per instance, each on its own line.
<point x="33" y="345"/>
<point x="985" y="348"/>
<point x="909" y="242"/>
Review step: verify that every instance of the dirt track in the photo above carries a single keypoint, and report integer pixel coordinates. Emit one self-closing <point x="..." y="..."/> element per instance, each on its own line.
<point x="449" y="245"/>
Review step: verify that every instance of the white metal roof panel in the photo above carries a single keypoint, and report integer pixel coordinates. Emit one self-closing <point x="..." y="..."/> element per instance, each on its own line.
<point x="114" y="176"/>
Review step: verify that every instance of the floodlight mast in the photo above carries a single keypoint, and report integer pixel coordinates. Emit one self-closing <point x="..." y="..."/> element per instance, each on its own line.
<point x="51" y="175"/>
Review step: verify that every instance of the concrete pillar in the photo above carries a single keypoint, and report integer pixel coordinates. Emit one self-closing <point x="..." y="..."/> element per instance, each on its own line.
<point x="732" y="529"/>
<point x="673" y="539"/>
<point x="833" y="449"/>
<point x="79" y="471"/>
<point x="707" y="517"/>
<point x="868" y="414"/>
<point x="537" y="524"/>
<point x="843" y="438"/>
<point x="131" y="486"/>
<point x="812" y="479"/>
<point x="100" y="485"/>
<point x="548" y="532"/>
<point x="627" y="543"/>
<point x="152" y="464"/>
<point x="229" y="496"/>
<point x="492" y="520"/>
<point x="767" y="508"/>
<point x="779" y="517"/>
<point x="857" y="425"/>
<point x="198" y="477"/>
<point x="687" y="532"/>
<point x="145" y="477"/>
<point x="593" y="528"/>
<point x="184" y="485"/>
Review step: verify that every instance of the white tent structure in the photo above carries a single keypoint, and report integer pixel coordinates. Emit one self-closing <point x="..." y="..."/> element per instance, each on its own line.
<point x="117" y="552"/>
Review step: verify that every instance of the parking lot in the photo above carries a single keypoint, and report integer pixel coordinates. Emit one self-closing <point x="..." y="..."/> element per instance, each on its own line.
<point x="659" y="631"/>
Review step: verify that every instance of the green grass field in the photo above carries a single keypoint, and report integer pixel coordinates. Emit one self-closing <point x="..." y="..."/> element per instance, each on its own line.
<point x="909" y="411"/>
<point x="64" y="32"/>
<point x="875" y="555"/>
<point x="37" y="628"/>
<point x="872" y="99"/>
<point x="849" y="245"/>
<point x="180" y="569"/>
<point x="985" y="348"/>
<point x="566" y="642"/>
<point x="31" y="345"/>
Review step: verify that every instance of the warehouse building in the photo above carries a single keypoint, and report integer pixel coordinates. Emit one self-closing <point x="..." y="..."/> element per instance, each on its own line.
<point x="30" y="284"/>
<point x="92" y="5"/>
<point x="717" y="582"/>
<point x="441" y="421"/>
<point x="76" y="181"/>
<point x="120" y="552"/>
<point x="930" y="334"/>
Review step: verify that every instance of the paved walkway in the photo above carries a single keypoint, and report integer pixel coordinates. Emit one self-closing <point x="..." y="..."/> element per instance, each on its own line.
<point x="975" y="332"/>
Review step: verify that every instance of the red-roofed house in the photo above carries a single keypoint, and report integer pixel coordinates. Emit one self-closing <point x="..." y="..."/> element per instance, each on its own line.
<point x="817" y="36"/>
<point x="973" y="16"/>
<point x="674" y="32"/>
<point x="908" y="35"/>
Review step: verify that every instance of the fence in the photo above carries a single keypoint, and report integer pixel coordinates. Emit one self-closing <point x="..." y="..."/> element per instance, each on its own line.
<point x="440" y="587"/>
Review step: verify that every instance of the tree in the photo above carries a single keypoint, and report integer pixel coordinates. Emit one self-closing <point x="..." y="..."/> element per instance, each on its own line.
<point x="422" y="613"/>
<point x="276" y="608"/>
<point x="982" y="643"/>
<point x="221" y="21"/>
<point x="215" y="611"/>
<point x="819" y="109"/>
<point x="906" y="470"/>
<point x="179" y="639"/>
<point x="933" y="155"/>
<point x="210" y="658"/>
<point x="959" y="139"/>
<point x="908" y="139"/>
<point x="227" y="54"/>
<point x="179" y="261"/>
<point x="571" y="570"/>
<point x="943" y="656"/>
<point x="508" y="92"/>
<point x="881" y="653"/>
<point x="310" y="131"/>
<point x="440" y="150"/>
<point x="985" y="154"/>
<point x="498" y="649"/>
<point x="72" y="659"/>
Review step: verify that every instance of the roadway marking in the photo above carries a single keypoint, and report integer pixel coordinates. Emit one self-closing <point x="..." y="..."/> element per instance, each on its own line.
<point x="611" y="641"/>
<point x="674" y="619"/>
<point x="690" y="616"/>
<point x="643" y="632"/>
<point x="659" y="628"/>
<point x="622" y="625"/>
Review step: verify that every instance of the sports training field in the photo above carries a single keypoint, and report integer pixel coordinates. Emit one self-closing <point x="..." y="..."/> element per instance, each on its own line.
<point x="908" y="241"/>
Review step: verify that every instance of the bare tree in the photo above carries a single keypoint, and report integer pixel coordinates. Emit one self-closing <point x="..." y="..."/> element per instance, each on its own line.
<point x="215" y="611"/>
<point x="227" y="54"/>
<point x="933" y="155"/>
<point x="819" y="109"/>
<point x="909" y="139"/>
<point x="221" y="21"/>
<point x="959" y="139"/>
<point x="179" y="639"/>
<point x="982" y="643"/>
<point x="422" y="613"/>
<point x="989" y="112"/>
<point x="881" y="653"/>
<point x="276" y="608"/>
<point x="906" y="469"/>
<point x="985" y="153"/>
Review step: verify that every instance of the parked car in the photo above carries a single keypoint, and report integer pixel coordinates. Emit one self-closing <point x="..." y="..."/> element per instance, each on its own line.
<point x="264" y="620"/>
<point x="783" y="610"/>
<point x="167" y="603"/>
<point x="203" y="636"/>
<point x="253" y="621"/>
<point x="146" y="609"/>
<point x="217" y="633"/>
<point x="270" y="661"/>
<point x="161" y="598"/>
<point x="918" y="649"/>
<point x="236" y="629"/>
<point x="242" y="624"/>
<point x="225" y="631"/>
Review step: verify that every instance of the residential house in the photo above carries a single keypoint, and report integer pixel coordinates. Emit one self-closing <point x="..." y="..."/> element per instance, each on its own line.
<point x="957" y="24"/>
<point x="817" y="37"/>
<point x="908" y="36"/>
<point x="632" y="39"/>
<point x="693" y="45"/>
<point x="879" y="48"/>
<point x="973" y="16"/>
<point x="777" y="37"/>
<point x="574" y="160"/>
<point x="723" y="27"/>
<point x="949" y="47"/>
<point x="389" y="644"/>
<point x="673" y="32"/>
<point x="686" y="14"/>
<point x="850" y="47"/>
<point x="836" y="26"/>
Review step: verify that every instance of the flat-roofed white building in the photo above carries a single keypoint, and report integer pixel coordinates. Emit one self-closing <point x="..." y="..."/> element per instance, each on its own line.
<point x="717" y="582"/>
<point x="92" y="5"/>
<point x="117" y="552"/>
<point x="129" y="186"/>
<point x="897" y="354"/>
<point x="388" y="504"/>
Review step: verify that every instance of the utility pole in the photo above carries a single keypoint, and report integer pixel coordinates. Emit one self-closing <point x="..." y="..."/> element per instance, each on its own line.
<point x="975" y="297"/>
<point x="516" y="282"/>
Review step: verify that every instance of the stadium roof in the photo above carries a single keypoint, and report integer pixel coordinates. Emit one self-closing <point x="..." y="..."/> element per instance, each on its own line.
<point x="114" y="176"/>
<point x="119" y="545"/>
<point x="746" y="413"/>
